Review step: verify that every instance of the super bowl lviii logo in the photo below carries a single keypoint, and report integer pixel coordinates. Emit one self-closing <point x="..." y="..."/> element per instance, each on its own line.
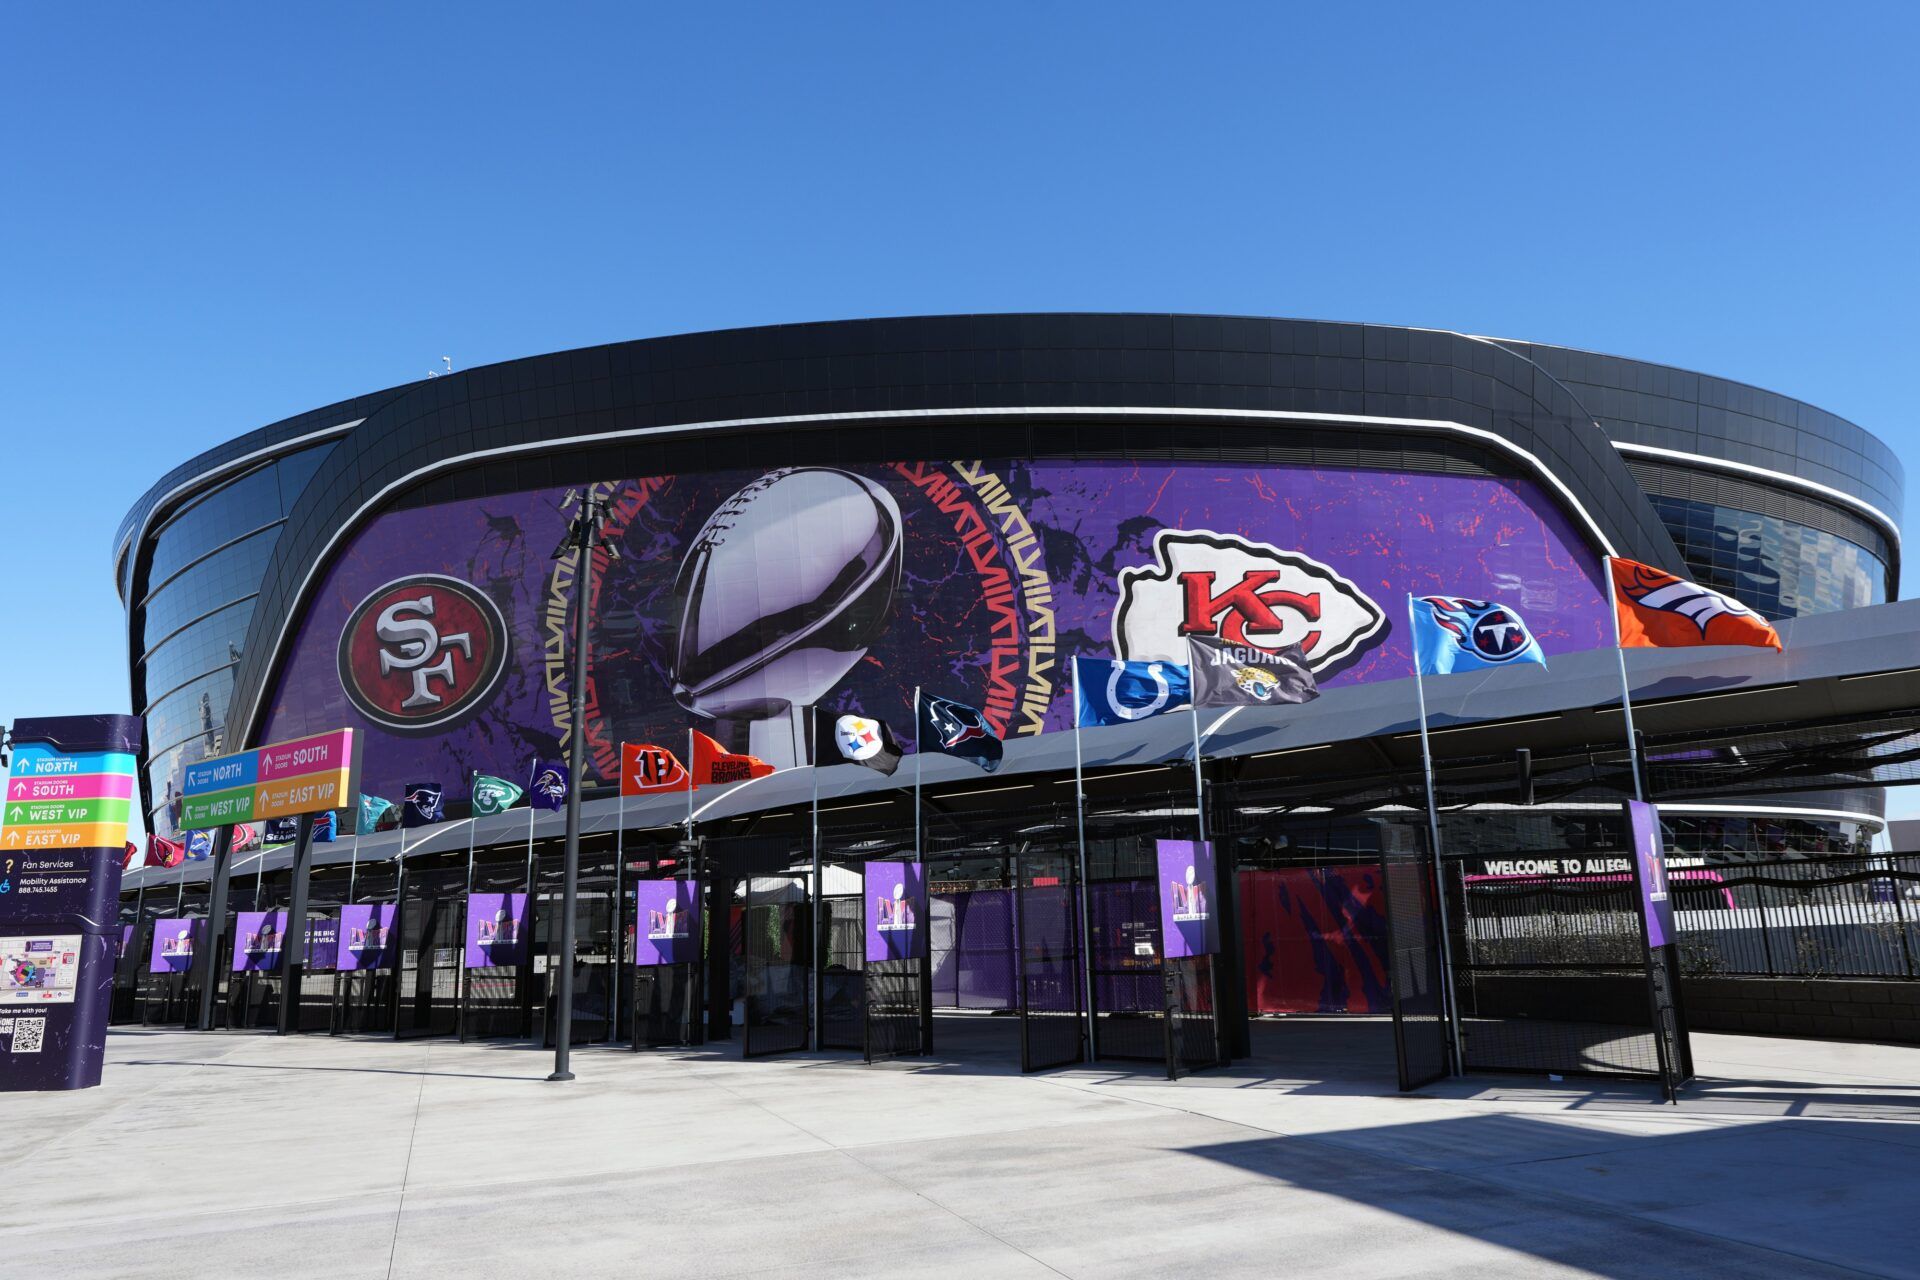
<point x="422" y="652"/>
<point x="1224" y="587"/>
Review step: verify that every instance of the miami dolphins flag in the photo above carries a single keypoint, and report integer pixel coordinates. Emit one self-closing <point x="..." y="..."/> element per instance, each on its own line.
<point x="1453" y="633"/>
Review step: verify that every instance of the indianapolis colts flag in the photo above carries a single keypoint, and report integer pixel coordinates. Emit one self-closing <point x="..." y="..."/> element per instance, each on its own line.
<point x="1451" y="633"/>
<point x="1108" y="692"/>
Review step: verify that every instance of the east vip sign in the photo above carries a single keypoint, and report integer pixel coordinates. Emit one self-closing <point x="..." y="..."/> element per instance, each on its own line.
<point x="307" y="775"/>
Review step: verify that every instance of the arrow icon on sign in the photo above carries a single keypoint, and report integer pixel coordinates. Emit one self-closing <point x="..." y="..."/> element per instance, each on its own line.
<point x="13" y="814"/>
<point x="261" y="801"/>
<point x="13" y="837"/>
<point x="19" y="789"/>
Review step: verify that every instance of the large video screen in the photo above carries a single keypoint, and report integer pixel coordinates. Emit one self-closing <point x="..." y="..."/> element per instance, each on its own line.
<point x="737" y="599"/>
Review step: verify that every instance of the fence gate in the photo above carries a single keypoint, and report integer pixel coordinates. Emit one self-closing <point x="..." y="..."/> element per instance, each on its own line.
<point x="1050" y="976"/>
<point x="1416" y="975"/>
<point x="432" y="936"/>
<point x="843" y="979"/>
<point x="774" y="976"/>
<point x="1196" y="1033"/>
<point x="667" y="950"/>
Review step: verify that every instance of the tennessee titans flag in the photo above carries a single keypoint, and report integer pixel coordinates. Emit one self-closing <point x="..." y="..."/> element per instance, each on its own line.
<point x="956" y="729"/>
<point x="548" y="790"/>
<point x="1108" y="692"/>
<point x="1451" y="633"/>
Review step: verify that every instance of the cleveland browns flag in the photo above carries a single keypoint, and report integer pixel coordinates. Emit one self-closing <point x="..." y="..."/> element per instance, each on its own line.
<point x="1656" y="610"/>
<point x="714" y="765"/>
<point x="647" y="770"/>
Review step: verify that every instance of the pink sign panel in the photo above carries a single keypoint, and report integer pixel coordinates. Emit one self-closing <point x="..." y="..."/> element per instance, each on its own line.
<point x="321" y="753"/>
<point x="80" y="786"/>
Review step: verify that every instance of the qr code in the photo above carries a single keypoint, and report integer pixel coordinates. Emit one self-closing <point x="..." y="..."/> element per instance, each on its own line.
<point x="28" y="1033"/>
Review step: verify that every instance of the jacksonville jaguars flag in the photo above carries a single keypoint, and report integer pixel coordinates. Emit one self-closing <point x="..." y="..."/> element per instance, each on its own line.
<point x="1108" y="692"/>
<point x="1240" y="675"/>
<point x="956" y="729"/>
<point x="548" y="789"/>
<point x="425" y="804"/>
<point x="1453" y="633"/>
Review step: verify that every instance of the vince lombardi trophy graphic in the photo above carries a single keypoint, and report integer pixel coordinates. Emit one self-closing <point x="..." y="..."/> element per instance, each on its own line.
<point x="783" y="590"/>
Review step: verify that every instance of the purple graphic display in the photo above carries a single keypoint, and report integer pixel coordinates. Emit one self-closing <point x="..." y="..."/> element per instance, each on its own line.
<point x="174" y="942"/>
<point x="896" y="895"/>
<point x="496" y="929"/>
<point x="978" y="579"/>
<point x="1650" y="872"/>
<point x="258" y="937"/>
<point x="322" y="952"/>
<point x="667" y="913"/>
<point x="365" y="936"/>
<point x="1189" y="920"/>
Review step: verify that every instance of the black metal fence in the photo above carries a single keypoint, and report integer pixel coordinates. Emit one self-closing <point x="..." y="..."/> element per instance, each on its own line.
<point x="1804" y="918"/>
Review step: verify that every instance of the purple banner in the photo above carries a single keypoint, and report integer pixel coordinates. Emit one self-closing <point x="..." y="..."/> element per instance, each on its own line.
<point x="322" y="952"/>
<point x="174" y="942"/>
<point x="1189" y="924"/>
<point x="668" y="915"/>
<point x="257" y="939"/>
<point x="896" y="895"/>
<point x="972" y="578"/>
<point x="496" y="930"/>
<point x="365" y="936"/>
<point x="1650" y="872"/>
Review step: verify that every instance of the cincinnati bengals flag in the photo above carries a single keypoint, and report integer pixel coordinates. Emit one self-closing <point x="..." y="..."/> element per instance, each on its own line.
<point x="647" y="770"/>
<point x="714" y="765"/>
<point x="1656" y="610"/>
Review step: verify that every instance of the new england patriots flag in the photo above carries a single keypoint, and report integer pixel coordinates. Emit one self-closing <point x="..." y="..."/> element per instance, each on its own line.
<point x="1109" y="692"/>
<point x="1453" y="633"/>
<point x="956" y="729"/>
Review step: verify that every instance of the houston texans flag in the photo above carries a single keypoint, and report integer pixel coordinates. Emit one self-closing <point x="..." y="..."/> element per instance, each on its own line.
<point x="1453" y="633"/>
<point x="1108" y="692"/>
<point x="647" y="770"/>
<point x="1656" y="610"/>
<point x="956" y="729"/>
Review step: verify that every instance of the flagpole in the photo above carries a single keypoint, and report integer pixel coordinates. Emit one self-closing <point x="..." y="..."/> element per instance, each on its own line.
<point x="1626" y="693"/>
<point x="1433" y="828"/>
<point x="813" y="1005"/>
<point x="917" y="856"/>
<point x="533" y="767"/>
<point x="692" y="782"/>
<point x="353" y="867"/>
<point x="473" y="780"/>
<point x="1080" y="832"/>
<point x="1199" y="779"/>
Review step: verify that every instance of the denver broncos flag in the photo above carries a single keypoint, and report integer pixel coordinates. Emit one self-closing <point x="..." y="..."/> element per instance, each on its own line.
<point x="1658" y="611"/>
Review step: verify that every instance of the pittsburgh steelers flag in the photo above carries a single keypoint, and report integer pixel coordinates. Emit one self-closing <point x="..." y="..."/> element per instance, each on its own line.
<point x="494" y="795"/>
<point x="1656" y="610"/>
<point x="1240" y="675"/>
<point x="854" y="740"/>
<point x="714" y="765"/>
<point x="647" y="770"/>
<point x="956" y="729"/>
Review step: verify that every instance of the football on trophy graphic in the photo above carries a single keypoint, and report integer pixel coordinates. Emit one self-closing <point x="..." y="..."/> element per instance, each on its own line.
<point x="784" y="588"/>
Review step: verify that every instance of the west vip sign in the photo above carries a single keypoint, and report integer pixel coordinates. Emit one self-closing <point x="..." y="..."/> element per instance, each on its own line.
<point x="284" y="780"/>
<point x="63" y="831"/>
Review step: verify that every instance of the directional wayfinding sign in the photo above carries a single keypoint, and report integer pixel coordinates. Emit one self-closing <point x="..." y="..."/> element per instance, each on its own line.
<point x="307" y="775"/>
<point x="63" y="831"/>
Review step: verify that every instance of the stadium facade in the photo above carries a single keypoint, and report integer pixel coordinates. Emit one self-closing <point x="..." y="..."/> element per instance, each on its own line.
<point x="840" y="513"/>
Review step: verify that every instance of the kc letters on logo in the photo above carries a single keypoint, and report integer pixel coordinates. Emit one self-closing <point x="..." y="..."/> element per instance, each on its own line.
<point x="422" y="652"/>
<point x="1226" y="587"/>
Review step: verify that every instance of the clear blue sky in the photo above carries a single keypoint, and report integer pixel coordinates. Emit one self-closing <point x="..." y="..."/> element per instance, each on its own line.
<point x="212" y="217"/>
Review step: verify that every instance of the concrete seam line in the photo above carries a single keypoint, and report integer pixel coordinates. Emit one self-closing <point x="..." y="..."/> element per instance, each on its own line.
<point x="406" y="1169"/>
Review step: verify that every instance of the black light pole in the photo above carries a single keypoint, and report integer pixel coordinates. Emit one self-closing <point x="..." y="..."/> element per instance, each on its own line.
<point x="583" y="536"/>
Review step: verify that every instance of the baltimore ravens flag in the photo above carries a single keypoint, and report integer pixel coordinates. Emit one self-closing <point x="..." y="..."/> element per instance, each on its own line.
<point x="1452" y="633"/>
<point x="425" y="805"/>
<point x="1108" y="692"/>
<point x="1656" y="610"/>
<point x="1240" y="675"/>
<point x="548" y="790"/>
<point x="956" y="729"/>
<point x="854" y="740"/>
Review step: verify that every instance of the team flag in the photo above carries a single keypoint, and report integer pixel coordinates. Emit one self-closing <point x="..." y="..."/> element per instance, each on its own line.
<point x="373" y="810"/>
<point x="1452" y="633"/>
<point x="245" y="837"/>
<point x="282" y="830"/>
<point x="956" y="729"/>
<point x="548" y="789"/>
<point x="714" y="765"/>
<point x="162" y="852"/>
<point x="1110" y="692"/>
<point x="1658" y="611"/>
<point x="493" y="795"/>
<point x="199" y="845"/>
<point x="1242" y="675"/>
<point x="425" y="804"/>
<point x="854" y="740"/>
<point x="127" y="858"/>
<point x="326" y="827"/>
<point x="647" y="770"/>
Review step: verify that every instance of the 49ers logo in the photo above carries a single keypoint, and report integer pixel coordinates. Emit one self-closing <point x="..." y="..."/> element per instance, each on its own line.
<point x="1245" y="593"/>
<point x="422" y="652"/>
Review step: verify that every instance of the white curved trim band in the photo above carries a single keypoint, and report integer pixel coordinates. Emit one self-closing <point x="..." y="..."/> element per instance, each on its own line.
<point x="1814" y="487"/>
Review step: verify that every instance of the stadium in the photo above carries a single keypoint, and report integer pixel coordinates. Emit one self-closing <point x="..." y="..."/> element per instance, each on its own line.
<point x="846" y="515"/>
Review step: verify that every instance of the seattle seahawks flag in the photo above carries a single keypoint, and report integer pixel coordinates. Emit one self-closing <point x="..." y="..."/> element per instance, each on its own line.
<point x="1451" y="633"/>
<point x="853" y="739"/>
<point x="1107" y="692"/>
<point x="425" y="805"/>
<point x="956" y="729"/>
<point x="493" y="795"/>
<point x="1241" y="675"/>
<point x="548" y="789"/>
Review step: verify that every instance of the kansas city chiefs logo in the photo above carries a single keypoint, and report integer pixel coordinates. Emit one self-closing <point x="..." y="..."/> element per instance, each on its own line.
<point x="422" y="652"/>
<point x="1229" y="588"/>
